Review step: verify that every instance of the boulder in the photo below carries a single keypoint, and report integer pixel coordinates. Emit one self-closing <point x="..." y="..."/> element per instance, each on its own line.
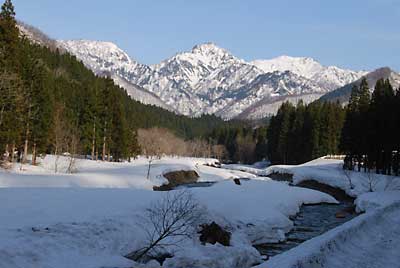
<point x="213" y="233"/>
<point x="176" y="178"/>
<point x="237" y="181"/>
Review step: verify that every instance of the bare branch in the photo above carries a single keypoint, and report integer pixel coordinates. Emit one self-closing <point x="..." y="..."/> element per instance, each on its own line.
<point x="168" y="222"/>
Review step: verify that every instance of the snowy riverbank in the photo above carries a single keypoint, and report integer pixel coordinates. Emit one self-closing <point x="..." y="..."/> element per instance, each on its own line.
<point x="370" y="240"/>
<point x="89" y="219"/>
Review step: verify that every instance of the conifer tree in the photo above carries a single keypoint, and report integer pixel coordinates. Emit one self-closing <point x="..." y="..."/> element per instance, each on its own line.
<point x="8" y="36"/>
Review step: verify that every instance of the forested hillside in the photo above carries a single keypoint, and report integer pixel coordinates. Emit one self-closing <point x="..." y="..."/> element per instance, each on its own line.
<point x="51" y="103"/>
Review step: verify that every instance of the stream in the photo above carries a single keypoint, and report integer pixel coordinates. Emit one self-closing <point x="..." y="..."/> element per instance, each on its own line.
<point x="311" y="221"/>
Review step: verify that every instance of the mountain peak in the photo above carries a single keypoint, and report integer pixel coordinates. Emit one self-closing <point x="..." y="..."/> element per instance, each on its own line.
<point x="103" y="50"/>
<point x="206" y="48"/>
<point x="93" y="45"/>
<point x="299" y="65"/>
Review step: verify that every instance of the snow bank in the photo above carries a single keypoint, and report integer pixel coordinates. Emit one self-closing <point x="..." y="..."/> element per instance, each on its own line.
<point x="330" y="172"/>
<point x="98" y="174"/>
<point x="374" y="200"/>
<point x="370" y="240"/>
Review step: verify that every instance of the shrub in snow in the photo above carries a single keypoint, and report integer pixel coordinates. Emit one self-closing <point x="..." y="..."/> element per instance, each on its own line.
<point x="168" y="222"/>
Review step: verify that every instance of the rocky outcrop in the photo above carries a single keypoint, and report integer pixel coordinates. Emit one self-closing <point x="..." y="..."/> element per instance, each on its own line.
<point x="177" y="178"/>
<point x="213" y="233"/>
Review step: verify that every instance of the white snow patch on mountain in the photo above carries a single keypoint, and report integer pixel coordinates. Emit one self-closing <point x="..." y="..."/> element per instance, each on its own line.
<point x="328" y="77"/>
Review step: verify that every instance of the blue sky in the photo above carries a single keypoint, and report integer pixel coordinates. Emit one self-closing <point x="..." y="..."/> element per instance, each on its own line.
<point x="352" y="34"/>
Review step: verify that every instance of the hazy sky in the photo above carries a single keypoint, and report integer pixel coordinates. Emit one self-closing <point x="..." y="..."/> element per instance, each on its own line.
<point x="351" y="34"/>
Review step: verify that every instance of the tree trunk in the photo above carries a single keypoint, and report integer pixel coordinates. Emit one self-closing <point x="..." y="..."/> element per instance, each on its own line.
<point x="148" y="169"/>
<point x="56" y="160"/>
<point x="94" y="139"/>
<point x="1" y="114"/>
<point x="104" y="143"/>
<point x="389" y="159"/>
<point x="7" y="153"/>
<point x="24" y="157"/>
<point x="12" y="152"/>
<point x="34" y="154"/>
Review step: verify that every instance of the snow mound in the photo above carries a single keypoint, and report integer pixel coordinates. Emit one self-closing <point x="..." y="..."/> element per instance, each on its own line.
<point x="374" y="200"/>
<point x="330" y="172"/>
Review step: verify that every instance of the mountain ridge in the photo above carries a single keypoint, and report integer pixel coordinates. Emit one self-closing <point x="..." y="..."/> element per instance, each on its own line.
<point x="210" y="80"/>
<point x="342" y="94"/>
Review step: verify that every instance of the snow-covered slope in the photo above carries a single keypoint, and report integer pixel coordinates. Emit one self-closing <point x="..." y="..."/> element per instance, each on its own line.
<point x="328" y="77"/>
<point x="35" y="35"/>
<point x="140" y="94"/>
<point x="210" y="80"/>
<point x="342" y="94"/>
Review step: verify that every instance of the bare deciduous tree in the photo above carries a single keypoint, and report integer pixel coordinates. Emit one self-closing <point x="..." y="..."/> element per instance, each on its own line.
<point x="219" y="151"/>
<point x="372" y="181"/>
<point x="59" y="134"/>
<point x="149" y="141"/>
<point x="168" y="222"/>
<point x="72" y="143"/>
<point x="199" y="148"/>
<point x="65" y="139"/>
<point x="348" y="177"/>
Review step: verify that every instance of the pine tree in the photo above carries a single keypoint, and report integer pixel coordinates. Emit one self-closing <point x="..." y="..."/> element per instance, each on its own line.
<point x="297" y="142"/>
<point x="8" y="36"/>
<point x="396" y="134"/>
<point x="381" y="112"/>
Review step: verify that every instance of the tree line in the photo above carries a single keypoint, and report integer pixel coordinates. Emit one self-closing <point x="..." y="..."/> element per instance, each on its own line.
<point x="297" y="134"/>
<point x="51" y="103"/>
<point x="371" y="132"/>
<point x="367" y="130"/>
<point x="243" y="142"/>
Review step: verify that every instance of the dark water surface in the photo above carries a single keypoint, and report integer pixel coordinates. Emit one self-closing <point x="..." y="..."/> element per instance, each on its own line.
<point x="311" y="221"/>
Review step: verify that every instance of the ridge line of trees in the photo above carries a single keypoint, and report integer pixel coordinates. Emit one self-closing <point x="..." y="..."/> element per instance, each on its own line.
<point x="297" y="134"/>
<point x="371" y="132"/>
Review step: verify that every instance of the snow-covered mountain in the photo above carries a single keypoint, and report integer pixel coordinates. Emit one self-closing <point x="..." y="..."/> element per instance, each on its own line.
<point x="328" y="77"/>
<point x="209" y="79"/>
<point x="342" y="94"/>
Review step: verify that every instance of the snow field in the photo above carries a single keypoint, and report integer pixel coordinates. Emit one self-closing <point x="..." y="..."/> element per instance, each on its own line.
<point x="90" y="219"/>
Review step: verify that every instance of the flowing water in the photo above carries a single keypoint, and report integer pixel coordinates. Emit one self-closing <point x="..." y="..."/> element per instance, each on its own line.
<point x="311" y="221"/>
